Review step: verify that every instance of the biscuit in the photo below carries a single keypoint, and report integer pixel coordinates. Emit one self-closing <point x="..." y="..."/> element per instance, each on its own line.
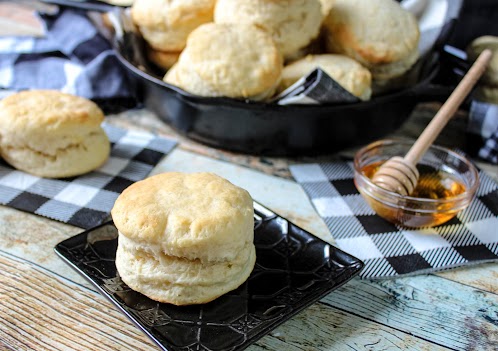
<point x="395" y="69"/>
<point x="184" y="238"/>
<point x="407" y="79"/>
<point x="293" y="24"/>
<point x="174" y="280"/>
<point x="475" y="48"/>
<point x="347" y="72"/>
<point x="487" y="93"/>
<point x="379" y="34"/>
<point x="52" y="134"/>
<point x="162" y="59"/>
<point x="165" y="24"/>
<point x="232" y="60"/>
<point x="315" y="47"/>
<point x="326" y="6"/>
<point x="186" y="78"/>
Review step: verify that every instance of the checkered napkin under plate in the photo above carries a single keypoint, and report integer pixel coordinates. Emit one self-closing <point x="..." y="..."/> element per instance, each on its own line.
<point x="389" y="250"/>
<point x="86" y="201"/>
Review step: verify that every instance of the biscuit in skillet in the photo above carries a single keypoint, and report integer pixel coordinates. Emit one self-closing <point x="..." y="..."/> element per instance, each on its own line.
<point x="293" y="24"/>
<point x="166" y="24"/>
<point x="344" y="70"/>
<point x="232" y="60"/>
<point x="379" y="34"/>
<point x="487" y="89"/>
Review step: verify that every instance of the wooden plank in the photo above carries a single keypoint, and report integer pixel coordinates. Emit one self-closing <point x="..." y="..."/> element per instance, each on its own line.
<point x="323" y="328"/>
<point x="44" y="312"/>
<point x="435" y="309"/>
<point x="33" y="238"/>
<point x="483" y="277"/>
<point x="41" y="311"/>
<point x="5" y="347"/>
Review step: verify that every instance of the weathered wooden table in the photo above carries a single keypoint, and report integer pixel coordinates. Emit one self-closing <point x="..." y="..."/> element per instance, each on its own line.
<point x="44" y="305"/>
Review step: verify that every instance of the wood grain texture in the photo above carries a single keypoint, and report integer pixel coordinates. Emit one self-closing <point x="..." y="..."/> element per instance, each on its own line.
<point x="483" y="276"/>
<point x="446" y="313"/>
<point x="41" y="311"/>
<point x="33" y="238"/>
<point x="324" y="328"/>
<point x="45" y="312"/>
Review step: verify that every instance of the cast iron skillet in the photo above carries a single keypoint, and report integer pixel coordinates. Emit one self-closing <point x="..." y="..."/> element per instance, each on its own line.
<point x="270" y="129"/>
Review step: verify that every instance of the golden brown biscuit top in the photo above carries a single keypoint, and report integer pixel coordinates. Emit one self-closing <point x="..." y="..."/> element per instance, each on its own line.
<point x="171" y="14"/>
<point x="291" y="23"/>
<point x="182" y="209"/>
<point x="234" y="59"/>
<point x="372" y="31"/>
<point x="47" y="109"/>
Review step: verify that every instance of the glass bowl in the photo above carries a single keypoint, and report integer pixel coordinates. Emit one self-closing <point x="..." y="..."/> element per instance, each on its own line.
<point x="447" y="184"/>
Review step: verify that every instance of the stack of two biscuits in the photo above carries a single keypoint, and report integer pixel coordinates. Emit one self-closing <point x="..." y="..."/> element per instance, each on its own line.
<point x="184" y="238"/>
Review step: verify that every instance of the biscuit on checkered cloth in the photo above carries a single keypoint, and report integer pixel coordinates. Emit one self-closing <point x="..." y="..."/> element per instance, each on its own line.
<point x="86" y="201"/>
<point x="51" y="134"/>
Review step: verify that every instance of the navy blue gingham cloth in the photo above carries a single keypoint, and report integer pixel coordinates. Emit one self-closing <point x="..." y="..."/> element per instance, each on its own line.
<point x="86" y="201"/>
<point x="72" y="57"/>
<point x="390" y="250"/>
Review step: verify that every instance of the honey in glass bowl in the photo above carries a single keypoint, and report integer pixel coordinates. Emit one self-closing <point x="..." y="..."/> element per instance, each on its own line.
<point x="446" y="185"/>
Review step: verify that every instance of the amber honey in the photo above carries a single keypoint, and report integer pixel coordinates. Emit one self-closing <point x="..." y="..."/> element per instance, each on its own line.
<point x="432" y="185"/>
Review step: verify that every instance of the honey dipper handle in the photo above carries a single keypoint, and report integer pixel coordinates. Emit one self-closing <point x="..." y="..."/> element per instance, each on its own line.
<point x="449" y="108"/>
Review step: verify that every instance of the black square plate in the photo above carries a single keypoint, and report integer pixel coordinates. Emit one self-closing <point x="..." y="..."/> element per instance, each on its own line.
<point x="293" y="270"/>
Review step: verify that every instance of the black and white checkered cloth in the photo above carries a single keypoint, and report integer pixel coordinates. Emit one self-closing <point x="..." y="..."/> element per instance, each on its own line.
<point x="483" y="121"/>
<point x="315" y="88"/>
<point x="389" y="250"/>
<point x="490" y="149"/>
<point x="72" y="57"/>
<point x="86" y="201"/>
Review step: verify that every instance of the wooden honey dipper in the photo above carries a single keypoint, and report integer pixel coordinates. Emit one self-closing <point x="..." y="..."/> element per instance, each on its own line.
<point x="400" y="174"/>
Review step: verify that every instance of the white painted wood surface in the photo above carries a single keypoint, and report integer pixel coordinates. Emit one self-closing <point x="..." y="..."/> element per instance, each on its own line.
<point x="44" y="305"/>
